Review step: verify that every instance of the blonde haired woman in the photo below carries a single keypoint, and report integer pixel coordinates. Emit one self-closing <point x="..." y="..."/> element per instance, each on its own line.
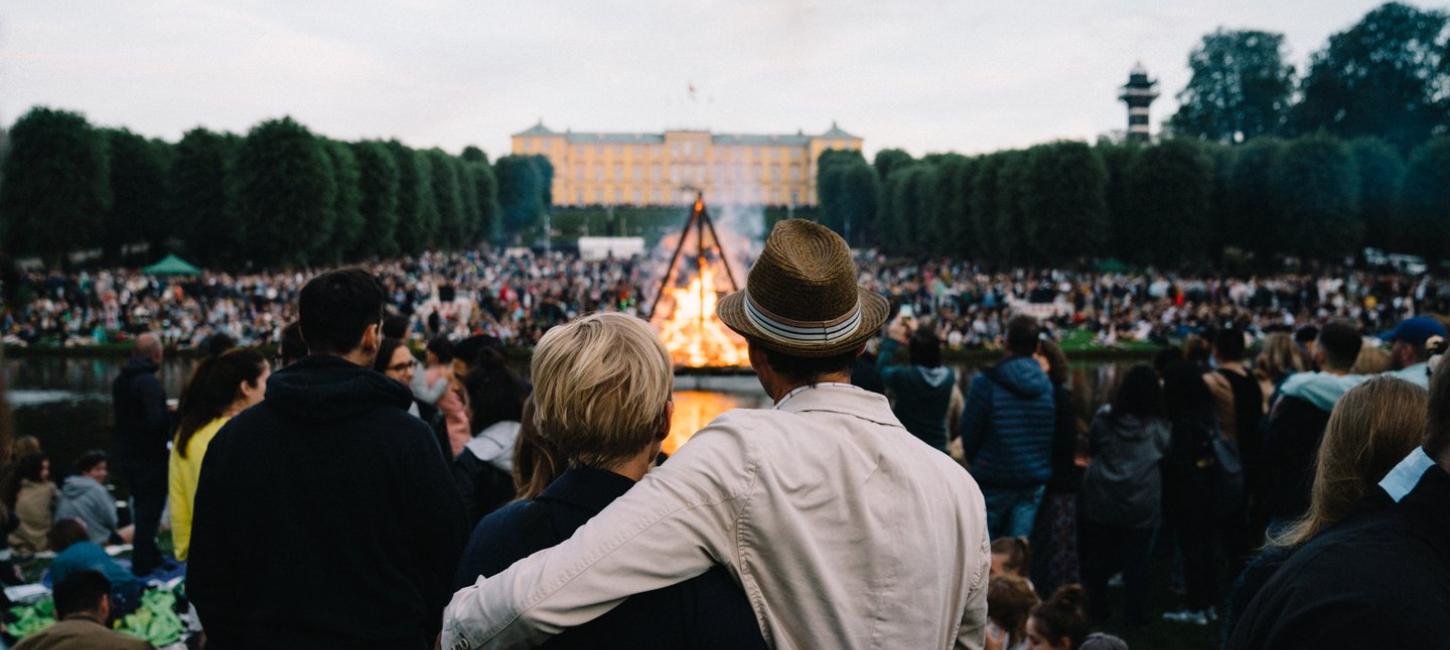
<point x="1373" y="427"/>
<point x="602" y="404"/>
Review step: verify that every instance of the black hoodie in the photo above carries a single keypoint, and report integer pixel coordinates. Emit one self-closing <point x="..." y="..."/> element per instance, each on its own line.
<point x="142" y="423"/>
<point x="325" y="518"/>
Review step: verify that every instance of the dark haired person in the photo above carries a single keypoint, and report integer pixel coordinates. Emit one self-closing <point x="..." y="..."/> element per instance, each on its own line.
<point x="483" y="471"/>
<point x="1239" y="417"/>
<point x="75" y="552"/>
<point x="1297" y="421"/>
<point x="1060" y="622"/>
<point x="292" y="348"/>
<point x="1408" y="350"/>
<point x="324" y="515"/>
<point x="220" y="387"/>
<point x="31" y="496"/>
<point x="842" y="528"/>
<point x="432" y="386"/>
<point x="922" y="389"/>
<point x="1193" y="487"/>
<point x="143" y="428"/>
<point x="83" y="613"/>
<point x="1377" y="579"/>
<point x="1007" y="431"/>
<point x="602" y="386"/>
<point x="1122" y="492"/>
<point x="84" y="496"/>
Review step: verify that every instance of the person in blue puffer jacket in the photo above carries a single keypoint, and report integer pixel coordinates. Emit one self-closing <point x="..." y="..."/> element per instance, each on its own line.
<point x="1007" y="430"/>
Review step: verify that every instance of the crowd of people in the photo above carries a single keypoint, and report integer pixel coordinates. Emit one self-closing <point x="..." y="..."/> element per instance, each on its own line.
<point x="345" y="493"/>
<point x="517" y="297"/>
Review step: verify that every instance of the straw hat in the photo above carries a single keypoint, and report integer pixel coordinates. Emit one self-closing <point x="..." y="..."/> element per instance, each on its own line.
<point x="801" y="296"/>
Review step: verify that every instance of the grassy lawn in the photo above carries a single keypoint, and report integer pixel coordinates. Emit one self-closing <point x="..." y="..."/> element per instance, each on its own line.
<point x="1160" y="634"/>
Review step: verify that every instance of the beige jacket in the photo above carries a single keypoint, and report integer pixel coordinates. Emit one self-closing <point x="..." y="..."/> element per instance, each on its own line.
<point x="844" y="530"/>
<point x="35" y="508"/>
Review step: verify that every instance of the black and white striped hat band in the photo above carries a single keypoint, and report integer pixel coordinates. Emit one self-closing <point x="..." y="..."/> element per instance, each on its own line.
<point x="812" y="335"/>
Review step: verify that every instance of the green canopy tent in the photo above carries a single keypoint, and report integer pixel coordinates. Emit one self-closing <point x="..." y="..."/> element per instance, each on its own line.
<point x="171" y="265"/>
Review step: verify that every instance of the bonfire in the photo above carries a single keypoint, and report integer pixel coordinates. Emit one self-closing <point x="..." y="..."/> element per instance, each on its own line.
<point x="684" y="310"/>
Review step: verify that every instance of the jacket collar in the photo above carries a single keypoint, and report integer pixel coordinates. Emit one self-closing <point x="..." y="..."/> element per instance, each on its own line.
<point x="587" y="488"/>
<point x="845" y="399"/>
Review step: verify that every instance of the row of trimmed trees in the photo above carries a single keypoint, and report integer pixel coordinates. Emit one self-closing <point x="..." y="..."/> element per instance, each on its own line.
<point x="280" y="196"/>
<point x="1178" y="202"/>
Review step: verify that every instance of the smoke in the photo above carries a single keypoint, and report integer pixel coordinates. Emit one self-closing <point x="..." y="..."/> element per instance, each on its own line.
<point x="739" y="223"/>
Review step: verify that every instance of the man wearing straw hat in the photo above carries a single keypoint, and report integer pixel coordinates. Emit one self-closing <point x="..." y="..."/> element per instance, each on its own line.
<point x="844" y="530"/>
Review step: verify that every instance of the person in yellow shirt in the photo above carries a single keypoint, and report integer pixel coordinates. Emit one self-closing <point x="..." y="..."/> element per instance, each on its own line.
<point x="221" y="387"/>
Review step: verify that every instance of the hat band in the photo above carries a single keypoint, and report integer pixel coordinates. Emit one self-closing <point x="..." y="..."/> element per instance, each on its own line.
<point x="813" y="335"/>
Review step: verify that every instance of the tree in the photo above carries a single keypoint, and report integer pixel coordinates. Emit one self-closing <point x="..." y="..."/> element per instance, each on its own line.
<point x="350" y="226"/>
<point x="138" y="195"/>
<point x="1168" y="186"/>
<point x="203" y="197"/>
<point x="1255" y="221"/>
<point x="984" y="207"/>
<point x="474" y="154"/>
<point x="1319" y="188"/>
<point x="832" y="193"/>
<point x="472" y="212"/>
<point x="1425" y="198"/>
<point x="862" y="201"/>
<point x="1064" y="207"/>
<point x="1383" y="77"/>
<point x="889" y="160"/>
<point x="417" y="214"/>
<point x="1240" y="88"/>
<point x="448" y="196"/>
<point x="546" y="178"/>
<point x="1118" y="159"/>
<point x="378" y="183"/>
<point x="949" y="205"/>
<point x="1381" y="172"/>
<point x="520" y="193"/>
<point x="57" y="185"/>
<point x="286" y="191"/>
<point x="488" y="226"/>
<point x="1009" y="224"/>
<point x="961" y="234"/>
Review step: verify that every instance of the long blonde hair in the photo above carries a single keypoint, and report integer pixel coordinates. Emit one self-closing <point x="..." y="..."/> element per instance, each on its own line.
<point x="1371" y="429"/>
<point x="1280" y="357"/>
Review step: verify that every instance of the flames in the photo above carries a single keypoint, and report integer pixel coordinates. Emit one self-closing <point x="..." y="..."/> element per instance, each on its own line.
<point x="691" y="330"/>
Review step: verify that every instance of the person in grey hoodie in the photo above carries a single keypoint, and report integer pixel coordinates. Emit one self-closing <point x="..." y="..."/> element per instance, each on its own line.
<point x="84" y="496"/>
<point x="1122" y="492"/>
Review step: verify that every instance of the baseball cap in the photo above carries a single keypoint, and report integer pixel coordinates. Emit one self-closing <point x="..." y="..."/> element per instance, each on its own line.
<point x="1414" y="331"/>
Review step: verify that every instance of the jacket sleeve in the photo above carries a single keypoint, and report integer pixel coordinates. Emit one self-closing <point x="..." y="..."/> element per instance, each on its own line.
<point x="672" y="526"/>
<point x="154" y="419"/>
<point x="180" y="506"/>
<point x="976" y="415"/>
<point x="886" y="362"/>
<point x="973" y="631"/>
<point x="105" y="507"/>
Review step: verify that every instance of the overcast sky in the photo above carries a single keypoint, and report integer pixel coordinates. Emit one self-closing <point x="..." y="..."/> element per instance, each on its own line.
<point x="924" y="75"/>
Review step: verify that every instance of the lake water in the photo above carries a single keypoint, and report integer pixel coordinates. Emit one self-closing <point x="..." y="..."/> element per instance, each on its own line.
<point x="66" y="402"/>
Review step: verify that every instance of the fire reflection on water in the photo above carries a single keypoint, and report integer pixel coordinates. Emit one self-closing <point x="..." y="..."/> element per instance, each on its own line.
<point x="696" y="408"/>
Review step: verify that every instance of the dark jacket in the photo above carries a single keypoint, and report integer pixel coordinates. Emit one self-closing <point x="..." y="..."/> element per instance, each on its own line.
<point x="1291" y="446"/>
<point x="324" y="518"/>
<point x="1066" y="475"/>
<point x="708" y="611"/>
<point x="483" y="471"/>
<point x="142" y="423"/>
<point x="921" y="395"/>
<point x="1377" y="580"/>
<point x="1008" y="425"/>
<point x="1123" y="485"/>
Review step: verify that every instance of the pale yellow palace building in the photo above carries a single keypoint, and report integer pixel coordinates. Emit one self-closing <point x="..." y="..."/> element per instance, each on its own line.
<point x="667" y="168"/>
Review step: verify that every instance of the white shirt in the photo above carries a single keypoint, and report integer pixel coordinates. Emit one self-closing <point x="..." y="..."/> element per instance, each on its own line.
<point x="844" y="530"/>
